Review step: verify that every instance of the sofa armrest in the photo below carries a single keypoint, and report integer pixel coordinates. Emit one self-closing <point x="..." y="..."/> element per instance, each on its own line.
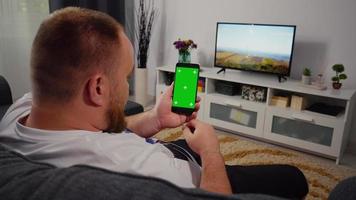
<point x="132" y="108"/>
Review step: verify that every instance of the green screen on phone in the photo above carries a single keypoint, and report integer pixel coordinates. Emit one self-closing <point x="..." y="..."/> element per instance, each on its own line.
<point x="185" y="87"/>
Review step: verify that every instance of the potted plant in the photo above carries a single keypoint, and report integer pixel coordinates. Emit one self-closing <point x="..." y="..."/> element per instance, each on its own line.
<point x="338" y="68"/>
<point x="306" y="79"/>
<point x="184" y="47"/>
<point x="145" y="16"/>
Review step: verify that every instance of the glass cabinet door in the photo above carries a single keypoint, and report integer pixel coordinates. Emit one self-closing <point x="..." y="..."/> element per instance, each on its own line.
<point x="238" y="115"/>
<point x="302" y="130"/>
<point x="234" y="115"/>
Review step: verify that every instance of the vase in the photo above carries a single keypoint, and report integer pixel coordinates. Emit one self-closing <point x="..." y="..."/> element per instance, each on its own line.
<point x="184" y="57"/>
<point x="306" y="80"/>
<point x="141" y="86"/>
<point x="337" y="86"/>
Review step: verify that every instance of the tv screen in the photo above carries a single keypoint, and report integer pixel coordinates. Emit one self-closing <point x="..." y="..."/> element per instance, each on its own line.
<point x="255" y="47"/>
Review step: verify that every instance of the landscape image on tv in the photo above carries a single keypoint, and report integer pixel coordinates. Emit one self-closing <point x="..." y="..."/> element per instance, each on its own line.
<point x="265" y="48"/>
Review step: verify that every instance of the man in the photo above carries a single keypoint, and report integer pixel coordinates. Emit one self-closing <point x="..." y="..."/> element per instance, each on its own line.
<point x="80" y="63"/>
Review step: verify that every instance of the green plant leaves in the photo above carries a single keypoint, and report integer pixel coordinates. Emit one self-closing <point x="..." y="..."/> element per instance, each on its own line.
<point x="338" y="68"/>
<point x="335" y="79"/>
<point x="342" y="76"/>
<point x="307" y="72"/>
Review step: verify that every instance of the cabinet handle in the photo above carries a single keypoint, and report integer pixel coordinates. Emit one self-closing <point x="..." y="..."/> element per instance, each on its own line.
<point x="233" y="104"/>
<point x="304" y="118"/>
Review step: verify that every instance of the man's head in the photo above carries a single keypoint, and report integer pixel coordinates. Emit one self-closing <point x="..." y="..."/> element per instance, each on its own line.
<point x="81" y="55"/>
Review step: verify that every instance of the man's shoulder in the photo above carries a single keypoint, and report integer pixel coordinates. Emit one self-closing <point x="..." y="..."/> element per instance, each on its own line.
<point x="122" y="139"/>
<point x="17" y="110"/>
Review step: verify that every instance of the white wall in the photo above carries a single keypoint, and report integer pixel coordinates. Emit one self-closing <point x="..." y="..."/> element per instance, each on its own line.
<point x="19" y="21"/>
<point x="326" y="32"/>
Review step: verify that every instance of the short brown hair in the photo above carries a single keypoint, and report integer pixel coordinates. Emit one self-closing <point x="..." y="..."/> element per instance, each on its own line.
<point x="69" y="45"/>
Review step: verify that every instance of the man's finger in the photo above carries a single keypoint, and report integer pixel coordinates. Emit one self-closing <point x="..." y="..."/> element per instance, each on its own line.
<point x="169" y="91"/>
<point x="191" y="117"/>
<point x="198" y="99"/>
<point x="182" y="118"/>
<point x="186" y="132"/>
<point x="193" y="123"/>
<point x="197" y="107"/>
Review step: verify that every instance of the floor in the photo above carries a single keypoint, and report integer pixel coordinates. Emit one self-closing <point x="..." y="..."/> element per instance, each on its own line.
<point x="348" y="160"/>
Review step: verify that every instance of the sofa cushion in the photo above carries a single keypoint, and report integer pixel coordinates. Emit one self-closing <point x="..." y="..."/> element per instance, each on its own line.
<point x="345" y="190"/>
<point x="24" y="179"/>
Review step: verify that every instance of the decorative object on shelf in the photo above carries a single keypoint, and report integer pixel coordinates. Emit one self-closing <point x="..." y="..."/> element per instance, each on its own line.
<point x="227" y="88"/>
<point x="338" y="68"/>
<point x="184" y="47"/>
<point x="298" y="102"/>
<point x="318" y="84"/>
<point x="320" y="80"/>
<point x="201" y="85"/>
<point x="280" y="101"/>
<point x="306" y="77"/>
<point x="326" y="109"/>
<point x="145" y="16"/>
<point x="254" y="93"/>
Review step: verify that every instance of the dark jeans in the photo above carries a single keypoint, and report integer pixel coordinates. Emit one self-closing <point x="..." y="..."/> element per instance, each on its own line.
<point x="277" y="180"/>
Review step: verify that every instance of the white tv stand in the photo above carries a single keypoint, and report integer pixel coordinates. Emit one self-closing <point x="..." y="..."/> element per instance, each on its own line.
<point x="303" y="130"/>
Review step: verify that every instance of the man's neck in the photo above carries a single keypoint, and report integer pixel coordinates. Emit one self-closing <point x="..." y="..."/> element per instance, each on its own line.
<point x="59" y="117"/>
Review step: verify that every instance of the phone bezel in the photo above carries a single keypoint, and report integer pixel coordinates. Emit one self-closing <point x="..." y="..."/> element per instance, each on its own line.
<point x="183" y="110"/>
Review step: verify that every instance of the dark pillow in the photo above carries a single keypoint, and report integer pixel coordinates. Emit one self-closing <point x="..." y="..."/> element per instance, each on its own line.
<point x="3" y="109"/>
<point x="24" y="179"/>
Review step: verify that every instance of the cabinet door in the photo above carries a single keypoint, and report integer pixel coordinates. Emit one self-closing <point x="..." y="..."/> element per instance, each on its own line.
<point x="236" y="115"/>
<point x="304" y="130"/>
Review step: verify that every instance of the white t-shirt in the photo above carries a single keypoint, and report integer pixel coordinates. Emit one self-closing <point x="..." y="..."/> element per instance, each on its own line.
<point x="124" y="152"/>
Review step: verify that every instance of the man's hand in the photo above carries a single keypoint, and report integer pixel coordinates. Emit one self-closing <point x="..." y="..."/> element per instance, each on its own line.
<point x="151" y="122"/>
<point x="168" y="119"/>
<point x="201" y="139"/>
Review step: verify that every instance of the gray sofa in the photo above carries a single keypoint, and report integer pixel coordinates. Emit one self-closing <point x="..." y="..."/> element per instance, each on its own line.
<point x="22" y="179"/>
<point x="6" y="97"/>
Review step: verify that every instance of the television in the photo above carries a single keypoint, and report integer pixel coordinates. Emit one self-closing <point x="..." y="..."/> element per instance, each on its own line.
<point x="266" y="48"/>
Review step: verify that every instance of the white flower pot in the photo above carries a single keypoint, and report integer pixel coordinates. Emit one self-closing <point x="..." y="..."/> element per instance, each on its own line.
<point x="141" y="86"/>
<point x="306" y="80"/>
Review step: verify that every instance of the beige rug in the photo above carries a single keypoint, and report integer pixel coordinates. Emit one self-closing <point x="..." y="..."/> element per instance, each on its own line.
<point x="322" y="176"/>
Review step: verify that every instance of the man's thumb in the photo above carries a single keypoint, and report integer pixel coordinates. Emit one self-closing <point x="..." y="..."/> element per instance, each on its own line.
<point x="169" y="91"/>
<point x="186" y="132"/>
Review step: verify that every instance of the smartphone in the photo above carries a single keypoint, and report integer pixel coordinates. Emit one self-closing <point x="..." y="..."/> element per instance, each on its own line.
<point x="185" y="88"/>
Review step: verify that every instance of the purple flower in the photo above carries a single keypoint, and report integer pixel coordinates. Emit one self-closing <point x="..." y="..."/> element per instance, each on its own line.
<point x="185" y="45"/>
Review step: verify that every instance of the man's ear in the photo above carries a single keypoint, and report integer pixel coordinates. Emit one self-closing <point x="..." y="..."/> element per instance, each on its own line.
<point x="97" y="88"/>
